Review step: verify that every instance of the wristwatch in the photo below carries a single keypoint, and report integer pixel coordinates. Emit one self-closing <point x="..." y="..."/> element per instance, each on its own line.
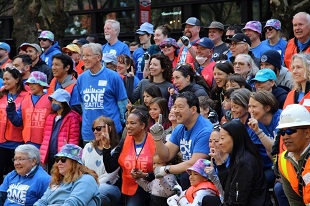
<point x="167" y="169"/>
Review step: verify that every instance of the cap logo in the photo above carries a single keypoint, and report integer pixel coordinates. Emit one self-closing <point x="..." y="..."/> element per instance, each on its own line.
<point x="201" y="40"/>
<point x="264" y="58"/>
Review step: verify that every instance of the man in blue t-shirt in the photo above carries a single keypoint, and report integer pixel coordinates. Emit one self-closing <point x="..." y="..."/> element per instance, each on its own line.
<point x="190" y="137"/>
<point x="101" y="92"/>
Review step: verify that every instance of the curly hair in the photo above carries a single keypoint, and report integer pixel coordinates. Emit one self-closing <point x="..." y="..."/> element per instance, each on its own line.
<point x="165" y="64"/>
<point x="75" y="171"/>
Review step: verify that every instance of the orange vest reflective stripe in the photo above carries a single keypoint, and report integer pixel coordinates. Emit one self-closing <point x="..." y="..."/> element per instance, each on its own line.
<point x="52" y="87"/>
<point x="288" y="172"/>
<point x="34" y="117"/>
<point x="290" y="50"/>
<point x="8" y="132"/>
<point x="190" y="192"/>
<point x="128" y="160"/>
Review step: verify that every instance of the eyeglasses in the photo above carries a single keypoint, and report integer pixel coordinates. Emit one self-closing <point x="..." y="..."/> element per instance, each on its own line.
<point x="20" y="159"/>
<point x="69" y="53"/>
<point x="287" y="131"/>
<point x="42" y="39"/>
<point x="89" y="55"/>
<point x="62" y="159"/>
<point x="165" y="46"/>
<point x="235" y="44"/>
<point x="269" y="28"/>
<point x="98" y="128"/>
<point x="239" y="63"/>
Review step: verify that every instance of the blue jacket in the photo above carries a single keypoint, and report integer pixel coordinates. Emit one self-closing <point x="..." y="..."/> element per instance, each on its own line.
<point x="47" y="56"/>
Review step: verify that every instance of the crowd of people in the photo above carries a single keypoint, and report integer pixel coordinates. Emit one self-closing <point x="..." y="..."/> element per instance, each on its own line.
<point x="217" y="120"/>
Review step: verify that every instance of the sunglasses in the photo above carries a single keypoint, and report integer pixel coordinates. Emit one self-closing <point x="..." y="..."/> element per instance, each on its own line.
<point x="62" y="159"/>
<point x="42" y="39"/>
<point x="166" y="46"/>
<point x="69" y="53"/>
<point x="98" y="128"/>
<point x="289" y="131"/>
<point x="239" y="63"/>
<point x="269" y="29"/>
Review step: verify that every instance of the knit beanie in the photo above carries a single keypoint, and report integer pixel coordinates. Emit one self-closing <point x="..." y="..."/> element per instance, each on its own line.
<point x="272" y="57"/>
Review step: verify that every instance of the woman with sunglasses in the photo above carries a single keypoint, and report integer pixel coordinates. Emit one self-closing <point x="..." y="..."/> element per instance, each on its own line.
<point x="28" y="182"/>
<point x="92" y="158"/>
<point x="243" y="181"/>
<point x="71" y="183"/>
<point x="10" y="136"/>
<point x="62" y="126"/>
<point x="134" y="155"/>
<point x="160" y="75"/>
<point x="169" y="47"/>
<point x="265" y="116"/>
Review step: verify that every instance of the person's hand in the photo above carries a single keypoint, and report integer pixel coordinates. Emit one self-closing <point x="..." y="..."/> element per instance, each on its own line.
<point x="105" y="137"/>
<point x="134" y="173"/>
<point x="11" y="105"/>
<point x="157" y="129"/>
<point x="177" y="189"/>
<point x="185" y="40"/>
<point x="253" y="124"/>
<point x="129" y="105"/>
<point x="215" y="154"/>
<point x="147" y="57"/>
<point x="159" y="172"/>
<point x="131" y="73"/>
<point x="171" y="91"/>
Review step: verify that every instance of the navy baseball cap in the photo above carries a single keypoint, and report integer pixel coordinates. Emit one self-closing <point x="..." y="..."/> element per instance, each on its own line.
<point x="205" y="42"/>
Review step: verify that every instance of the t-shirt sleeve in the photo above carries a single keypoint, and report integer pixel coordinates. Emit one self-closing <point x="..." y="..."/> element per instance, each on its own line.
<point x="176" y="135"/>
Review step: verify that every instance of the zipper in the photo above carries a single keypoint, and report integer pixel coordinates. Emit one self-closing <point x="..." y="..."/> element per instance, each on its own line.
<point x="237" y="191"/>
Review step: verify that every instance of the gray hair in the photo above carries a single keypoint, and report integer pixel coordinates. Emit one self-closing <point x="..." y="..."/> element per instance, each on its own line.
<point x="305" y="58"/>
<point x="115" y="24"/>
<point x="303" y="14"/>
<point x="30" y="150"/>
<point x="253" y="68"/>
<point x="95" y="47"/>
<point x="241" y="97"/>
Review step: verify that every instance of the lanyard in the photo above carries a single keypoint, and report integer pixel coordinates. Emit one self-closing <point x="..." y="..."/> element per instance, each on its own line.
<point x="137" y="155"/>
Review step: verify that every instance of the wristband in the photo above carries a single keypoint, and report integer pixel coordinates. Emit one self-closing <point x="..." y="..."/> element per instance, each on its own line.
<point x="259" y="132"/>
<point x="167" y="169"/>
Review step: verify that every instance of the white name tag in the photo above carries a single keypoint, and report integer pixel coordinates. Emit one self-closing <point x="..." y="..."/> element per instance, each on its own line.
<point x="102" y="83"/>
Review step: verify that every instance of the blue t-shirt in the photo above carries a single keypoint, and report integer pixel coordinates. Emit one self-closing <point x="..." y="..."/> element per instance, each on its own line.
<point x="270" y="130"/>
<point x="259" y="50"/>
<point x="137" y="58"/>
<point x="116" y="49"/>
<point x="280" y="47"/>
<point x="99" y="94"/>
<point x="195" y="140"/>
<point x="22" y="190"/>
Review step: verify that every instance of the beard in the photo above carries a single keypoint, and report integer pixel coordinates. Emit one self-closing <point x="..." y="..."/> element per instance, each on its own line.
<point x="107" y="37"/>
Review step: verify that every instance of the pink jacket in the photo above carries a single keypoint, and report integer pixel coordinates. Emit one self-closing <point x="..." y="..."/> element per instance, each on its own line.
<point x="69" y="132"/>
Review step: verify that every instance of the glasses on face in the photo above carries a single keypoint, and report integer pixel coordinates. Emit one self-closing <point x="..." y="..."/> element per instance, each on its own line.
<point x="233" y="44"/>
<point x="20" y="159"/>
<point x="42" y="39"/>
<point x="70" y="53"/>
<point x="268" y="28"/>
<point x="287" y="131"/>
<point x="165" y="46"/>
<point x="239" y="63"/>
<point x="62" y="159"/>
<point x="98" y="128"/>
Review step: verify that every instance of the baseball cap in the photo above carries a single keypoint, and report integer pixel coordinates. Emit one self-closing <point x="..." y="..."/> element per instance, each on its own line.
<point x="71" y="151"/>
<point x="264" y="75"/>
<point x="60" y="95"/>
<point x="82" y="41"/>
<point x="5" y="46"/>
<point x="24" y="46"/>
<point x="145" y="28"/>
<point x="109" y="58"/>
<point x="192" y="21"/>
<point x="272" y="57"/>
<point x="46" y="35"/>
<point x="216" y="25"/>
<point x="37" y="77"/>
<point x="205" y="42"/>
<point x="199" y="167"/>
<point x="239" y="37"/>
<point x="254" y="26"/>
<point x="72" y="47"/>
<point x="275" y="23"/>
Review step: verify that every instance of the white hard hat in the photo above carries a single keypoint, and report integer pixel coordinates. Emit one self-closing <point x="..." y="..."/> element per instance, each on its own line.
<point x="294" y="115"/>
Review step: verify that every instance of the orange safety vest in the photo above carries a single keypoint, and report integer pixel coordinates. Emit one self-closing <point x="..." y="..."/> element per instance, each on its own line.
<point x="190" y="192"/>
<point x="79" y="67"/>
<point x="291" y="49"/>
<point x="34" y="117"/>
<point x="288" y="172"/>
<point x="128" y="160"/>
<point x="52" y="87"/>
<point x="8" y="132"/>
<point x="3" y="66"/>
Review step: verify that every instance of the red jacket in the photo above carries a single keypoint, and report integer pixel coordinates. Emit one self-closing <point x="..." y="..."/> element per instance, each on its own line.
<point x="69" y="132"/>
<point x="291" y="49"/>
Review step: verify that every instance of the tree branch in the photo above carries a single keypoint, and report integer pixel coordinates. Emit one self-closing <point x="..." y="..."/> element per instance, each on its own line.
<point x="300" y="4"/>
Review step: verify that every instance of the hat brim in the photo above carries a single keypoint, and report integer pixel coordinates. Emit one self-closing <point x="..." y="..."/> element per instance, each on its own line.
<point x="288" y="125"/>
<point x="213" y="27"/>
<point x="141" y="32"/>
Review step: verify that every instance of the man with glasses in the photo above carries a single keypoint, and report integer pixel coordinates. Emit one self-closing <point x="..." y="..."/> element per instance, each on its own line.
<point x="294" y="162"/>
<point x="241" y="44"/>
<point x="190" y="137"/>
<point x="49" y="45"/>
<point x="253" y="29"/>
<point x="273" y="37"/>
<point x="301" y="40"/>
<point x="34" y="51"/>
<point x="73" y="51"/>
<point x="101" y="92"/>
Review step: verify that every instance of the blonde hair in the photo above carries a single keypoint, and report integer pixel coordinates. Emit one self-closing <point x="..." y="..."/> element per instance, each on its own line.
<point x="305" y="58"/>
